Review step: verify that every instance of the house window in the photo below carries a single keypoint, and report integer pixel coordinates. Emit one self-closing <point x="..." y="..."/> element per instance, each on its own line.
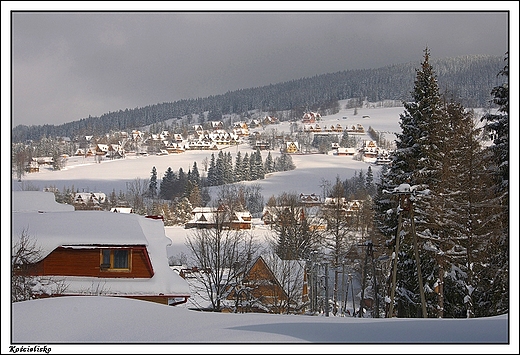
<point x="120" y="259"/>
<point x="115" y="259"/>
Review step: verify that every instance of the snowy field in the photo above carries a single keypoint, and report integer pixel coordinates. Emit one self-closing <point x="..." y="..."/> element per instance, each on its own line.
<point x="98" y="319"/>
<point x="88" y="176"/>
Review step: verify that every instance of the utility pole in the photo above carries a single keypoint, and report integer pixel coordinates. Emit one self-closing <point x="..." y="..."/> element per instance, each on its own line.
<point x="326" y="289"/>
<point x="369" y="253"/>
<point x="343" y="294"/>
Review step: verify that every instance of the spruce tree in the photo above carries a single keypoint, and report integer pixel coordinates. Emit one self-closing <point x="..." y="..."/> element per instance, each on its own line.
<point x="167" y="184"/>
<point x="220" y="169"/>
<point x="259" y="166"/>
<point x="369" y="182"/>
<point x="246" y="176"/>
<point x="212" y="173"/>
<point x="238" y="168"/>
<point x="228" y="169"/>
<point x="195" y="174"/>
<point x="416" y="163"/>
<point x="496" y="297"/>
<point x="152" y="186"/>
<point x="269" y="164"/>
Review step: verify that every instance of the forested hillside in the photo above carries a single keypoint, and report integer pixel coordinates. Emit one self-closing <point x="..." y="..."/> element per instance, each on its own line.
<point x="468" y="78"/>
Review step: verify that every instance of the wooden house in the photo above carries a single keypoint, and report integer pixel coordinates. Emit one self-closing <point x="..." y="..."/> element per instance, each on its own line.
<point x="370" y="151"/>
<point x="272" y="285"/>
<point x="32" y="167"/>
<point x="95" y="252"/>
<point x="291" y="147"/>
<point x="310" y="199"/>
<point x="345" y="151"/>
<point x="89" y="200"/>
<point x="262" y="145"/>
<point x="269" y="120"/>
<point x="310" y="117"/>
<point x="217" y="125"/>
<point x="210" y="217"/>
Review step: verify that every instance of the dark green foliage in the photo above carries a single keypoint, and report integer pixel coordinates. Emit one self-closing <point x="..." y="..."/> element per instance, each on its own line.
<point x="152" y="186"/>
<point x="167" y="184"/>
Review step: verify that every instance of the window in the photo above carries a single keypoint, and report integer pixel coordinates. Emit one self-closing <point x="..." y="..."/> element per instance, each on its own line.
<point x="115" y="259"/>
<point x="120" y="259"/>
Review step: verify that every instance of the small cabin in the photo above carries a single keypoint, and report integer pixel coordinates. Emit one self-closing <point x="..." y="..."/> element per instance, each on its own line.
<point x="272" y="285"/>
<point x="95" y="252"/>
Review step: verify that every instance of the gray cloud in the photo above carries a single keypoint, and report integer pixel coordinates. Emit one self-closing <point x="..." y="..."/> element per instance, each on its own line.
<point x="67" y="66"/>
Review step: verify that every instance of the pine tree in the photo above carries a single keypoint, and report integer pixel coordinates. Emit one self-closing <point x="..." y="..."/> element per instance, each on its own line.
<point x="269" y="164"/>
<point x="152" y="186"/>
<point x="228" y="169"/>
<point x="220" y="169"/>
<point x="238" y="176"/>
<point x="253" y="174"/>
<point x="369" y="182"/>
<point x="195" y="175"/>
<point x="180" y="184"/>
<point x="167" y="184"/>
<point x="260" y="171"/>
<point x="455" y="235"/>
<point x="212" y="172"/>
<point x="416" y="163"/>
<point x="495" y="298"/>
<point x="246" y="176"/>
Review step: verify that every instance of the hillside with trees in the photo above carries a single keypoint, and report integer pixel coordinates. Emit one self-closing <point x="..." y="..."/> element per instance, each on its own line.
<point x="468" y="77"/>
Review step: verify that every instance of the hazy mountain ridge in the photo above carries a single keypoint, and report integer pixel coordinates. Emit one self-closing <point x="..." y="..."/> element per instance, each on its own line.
<point x="469" y="78"/>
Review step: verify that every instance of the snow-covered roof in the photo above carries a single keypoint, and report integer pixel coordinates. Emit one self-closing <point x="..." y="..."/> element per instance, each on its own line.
<point x="77" y="229"/>
<point x="81" y="228"/>
<point x="25" y="201"/>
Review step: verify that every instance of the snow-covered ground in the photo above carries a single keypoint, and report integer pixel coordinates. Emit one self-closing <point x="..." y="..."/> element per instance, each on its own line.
<point x="98" y="319"/>
<point x="88" y="176"/>
<point x="122" y="321"/>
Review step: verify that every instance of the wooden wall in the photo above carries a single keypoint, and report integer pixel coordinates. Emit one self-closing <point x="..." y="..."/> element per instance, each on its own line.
<point x="86" y="262"/>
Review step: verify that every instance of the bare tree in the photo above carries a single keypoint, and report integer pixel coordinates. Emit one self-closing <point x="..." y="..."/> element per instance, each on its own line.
<point x="222" y="255"/>
<point x="24" y="286"/>
<point x="136" y="191"/>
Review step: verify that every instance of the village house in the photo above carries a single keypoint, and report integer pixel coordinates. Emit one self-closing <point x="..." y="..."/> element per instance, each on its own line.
<point x="291" y="147"/>
<point x="89" y="200"/>
<point x="272" y="285"/>
<point x="221" y="217"/>
<point x="217" y="125"/>
<point x="312" y="128"/>
<point x="370" y="151"/>
<point x="32" y="167"/>
<point x="310" y="117"/>
<point x="340" y="151"/>
<point x="241" y="129"/>
<point x="94" y="252"/>
<point x="262" y="145"/>
<point x="310" y="199"/>
<point x="269" y="120"/>
<point x="358" y="128"/>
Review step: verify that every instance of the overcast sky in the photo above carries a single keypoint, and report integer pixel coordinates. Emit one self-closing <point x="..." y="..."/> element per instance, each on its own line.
<point x="69" y="65"/>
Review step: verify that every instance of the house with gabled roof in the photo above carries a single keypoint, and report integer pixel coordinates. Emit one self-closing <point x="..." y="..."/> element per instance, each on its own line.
<point x="217" y="125"/>
<point x="292" y="147"/>
<point x="94" y="252"/>
<point x="211" y="217"/>
<point x="310" y="117"/>
<point x="89" y="200"/>
<point x="272" y="285"/>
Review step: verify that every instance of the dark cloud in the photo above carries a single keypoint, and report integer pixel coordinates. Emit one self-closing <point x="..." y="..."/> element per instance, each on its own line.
<point x="67" y="66"/>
